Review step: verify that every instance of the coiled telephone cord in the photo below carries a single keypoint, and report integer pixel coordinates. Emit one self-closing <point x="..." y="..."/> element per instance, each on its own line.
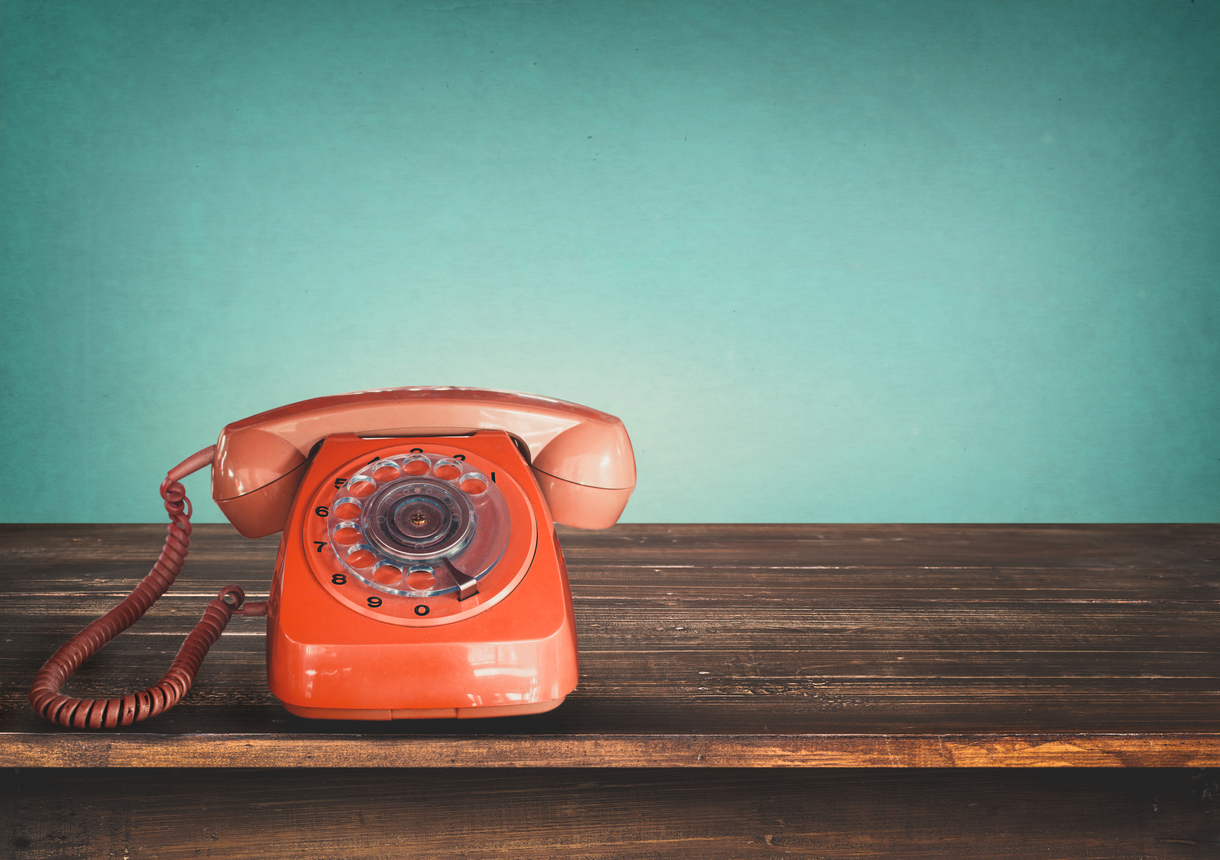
<point x="125" y="710"/>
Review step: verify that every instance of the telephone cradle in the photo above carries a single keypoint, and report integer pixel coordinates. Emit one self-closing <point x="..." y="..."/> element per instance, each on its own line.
<point x="419" y="573"/>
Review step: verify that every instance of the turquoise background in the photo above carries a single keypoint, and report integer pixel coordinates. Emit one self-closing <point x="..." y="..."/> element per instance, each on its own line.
<point x="861" y="261"/>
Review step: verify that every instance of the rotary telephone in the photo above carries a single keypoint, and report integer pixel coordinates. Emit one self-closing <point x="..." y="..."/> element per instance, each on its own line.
<point x="419" y="574"/>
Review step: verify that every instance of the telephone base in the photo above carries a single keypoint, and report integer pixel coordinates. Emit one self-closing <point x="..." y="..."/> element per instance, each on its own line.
<point x="423" y="713"/>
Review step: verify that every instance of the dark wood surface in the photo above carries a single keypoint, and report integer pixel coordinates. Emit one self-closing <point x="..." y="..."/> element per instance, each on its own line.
<point x="700" y="645"/>
<point x="718" y="647"/>
<point x="602" y="813"/>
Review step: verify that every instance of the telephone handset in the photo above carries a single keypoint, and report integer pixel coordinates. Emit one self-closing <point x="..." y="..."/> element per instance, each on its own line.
<point x="419" y="574"/>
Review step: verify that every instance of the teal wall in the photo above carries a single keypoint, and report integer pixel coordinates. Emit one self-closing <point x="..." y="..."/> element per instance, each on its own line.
<point x="866" y="261"/>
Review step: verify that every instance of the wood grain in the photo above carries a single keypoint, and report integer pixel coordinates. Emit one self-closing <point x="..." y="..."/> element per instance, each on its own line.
<point x="367" y="814"/>
<point x="701" y="645"/>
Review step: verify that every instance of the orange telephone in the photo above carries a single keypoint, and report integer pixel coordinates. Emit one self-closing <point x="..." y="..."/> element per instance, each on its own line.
<point x="419" y="573"/>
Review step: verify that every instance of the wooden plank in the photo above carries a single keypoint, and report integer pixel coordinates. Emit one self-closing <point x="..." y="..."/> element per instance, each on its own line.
<point x="1008" y="639"/>
<point x="367" y="814"/>
<point x="529" y="749"/>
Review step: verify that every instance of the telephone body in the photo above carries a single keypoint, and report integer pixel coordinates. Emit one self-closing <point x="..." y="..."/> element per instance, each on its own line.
<point x="419" y="574"/>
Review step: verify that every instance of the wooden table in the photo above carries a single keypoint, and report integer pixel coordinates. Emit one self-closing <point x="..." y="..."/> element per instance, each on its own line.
<point x="848" y="690"/>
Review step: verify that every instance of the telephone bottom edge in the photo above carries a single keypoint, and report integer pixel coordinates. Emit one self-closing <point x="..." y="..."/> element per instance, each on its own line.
<point x="385" y="714"/>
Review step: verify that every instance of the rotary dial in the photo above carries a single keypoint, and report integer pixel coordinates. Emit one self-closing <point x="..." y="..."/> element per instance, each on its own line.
<point x="419" y="525"/>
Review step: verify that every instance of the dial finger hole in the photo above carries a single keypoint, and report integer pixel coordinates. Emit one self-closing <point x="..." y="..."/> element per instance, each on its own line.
<point x="386" y="470"/>
<point x="361" y="486"/>
<point x="387" y="574"/>
<point x="421" y="578"/>
<point x="473" y="483"/>
<point x="447" y="470"/>
<point x="347" y="508"/>
<point x="346" y="534"/>
<point x="416" y="464"/>
<point x="361" y="556"/>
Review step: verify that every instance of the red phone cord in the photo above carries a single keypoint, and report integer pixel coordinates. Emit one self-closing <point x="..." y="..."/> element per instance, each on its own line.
<point x="125" y="710"/>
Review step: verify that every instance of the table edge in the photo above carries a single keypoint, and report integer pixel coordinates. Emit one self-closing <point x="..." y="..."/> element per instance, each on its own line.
<point x="941" y="750"/>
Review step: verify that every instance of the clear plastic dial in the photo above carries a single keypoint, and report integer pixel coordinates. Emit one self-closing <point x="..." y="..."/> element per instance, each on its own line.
<point x="419" y="525"/>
